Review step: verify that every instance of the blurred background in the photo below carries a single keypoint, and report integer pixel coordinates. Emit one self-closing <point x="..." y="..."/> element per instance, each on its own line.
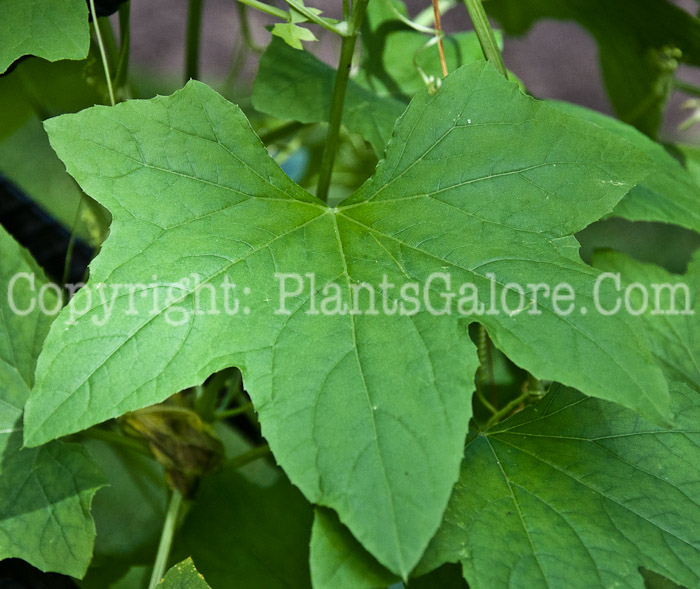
<point x="555" y="59"/>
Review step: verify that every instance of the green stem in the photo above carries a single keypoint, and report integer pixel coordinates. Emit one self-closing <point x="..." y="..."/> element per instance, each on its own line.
<point x="315" y="18"/>
<point x="506" y="411"/>
<point x="71" y="245"/>
<point x="166" y="539"/>
<point x="194" y="26"/>
<point x="280" y="132"/>
<point x="206" y="398"/>
<point x="250" y="456"/>
<point x="483" y="350"/>
<point x="414" y="24"/>
<point x="234" y="412"/>
<point x="112" y="437"/>
<point x="347" y="50"/>
<point x="426" y="17"/>
<point x="686" y="87"/>
<point x="109" y="39"/>
<point x="234" y="388"/>
<point x="103" y="54"/>
<point x="484" y="32"/>
<point x="485" y="402"/>
<point x="124" y="45"/>
<point x="242" y="11"/>
<point x="267" y="9"/>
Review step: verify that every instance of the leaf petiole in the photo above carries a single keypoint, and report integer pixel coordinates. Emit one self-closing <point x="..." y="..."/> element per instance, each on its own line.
<point x="484" y="32"/>
<point x="194" y="27"/>
<point x="299" y="7"/>
<point x="347" y="51"/>
<point x="103" y="54"/>
<point x="166" y="539"/>
<point x="266" y="8"/>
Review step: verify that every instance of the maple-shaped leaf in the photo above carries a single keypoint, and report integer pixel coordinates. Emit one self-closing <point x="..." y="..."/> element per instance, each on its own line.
<point x="293" y="34"/>
<point x="367" y="413"/>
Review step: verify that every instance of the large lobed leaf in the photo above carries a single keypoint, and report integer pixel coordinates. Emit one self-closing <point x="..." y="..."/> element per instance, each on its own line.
<point x="367" y="414"/>
<point x="52" y="29"/>
<point x="46" y="492"/>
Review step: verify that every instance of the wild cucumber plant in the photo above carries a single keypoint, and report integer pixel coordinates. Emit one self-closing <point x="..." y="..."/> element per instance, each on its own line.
<point x="384" y="362"/>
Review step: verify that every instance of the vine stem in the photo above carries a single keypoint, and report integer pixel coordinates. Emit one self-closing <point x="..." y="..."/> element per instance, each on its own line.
<point x="250" y="456"/>
<point x="71" y="246"/>
<point x="438" y="28"/>
<point x="103" y="54"/>
<point x="194" y="26"/>
<point x="426" y="17"/>
<point x="506" y="411"/>
<point x="266" y="8"/>
<point x="225" y="414"/>
<point x="484" y="32"/>
<point x="347" y="50"/>
<point x="686" y="87"/>
<point x="121" y="76"/>
<point x="315" y="18"/>
<point x="166" y="539"/>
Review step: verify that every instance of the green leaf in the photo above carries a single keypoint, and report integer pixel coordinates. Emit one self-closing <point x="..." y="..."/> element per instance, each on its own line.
<point x="130" y="512"/>
<point x="46" y="492"/>
<point x="52" y="29"/>
<point x="640" y="44"/>
<point x="576" y="492"/>
<point x="338" y="561"/>
<point x="393" y="53"/>
<point x="293" y="34"/>
<point x="296" y="85"/>
<point x="297" y="17"/>
<point x="183" y="576"/>
<point x="672" y="311"/>
<point x="43" y="177"/>
<point x="670" y="194"/>
<point x="366" y="413"/>
<point x="256" y="535"/>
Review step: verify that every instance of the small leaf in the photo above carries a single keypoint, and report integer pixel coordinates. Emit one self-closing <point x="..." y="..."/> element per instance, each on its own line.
<point x="46" y="492"/>
<point x="183" y="575"/>
<point x="52" y="29"/>
<point x="293" y="34"/>
<point x="298" y="17"/>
